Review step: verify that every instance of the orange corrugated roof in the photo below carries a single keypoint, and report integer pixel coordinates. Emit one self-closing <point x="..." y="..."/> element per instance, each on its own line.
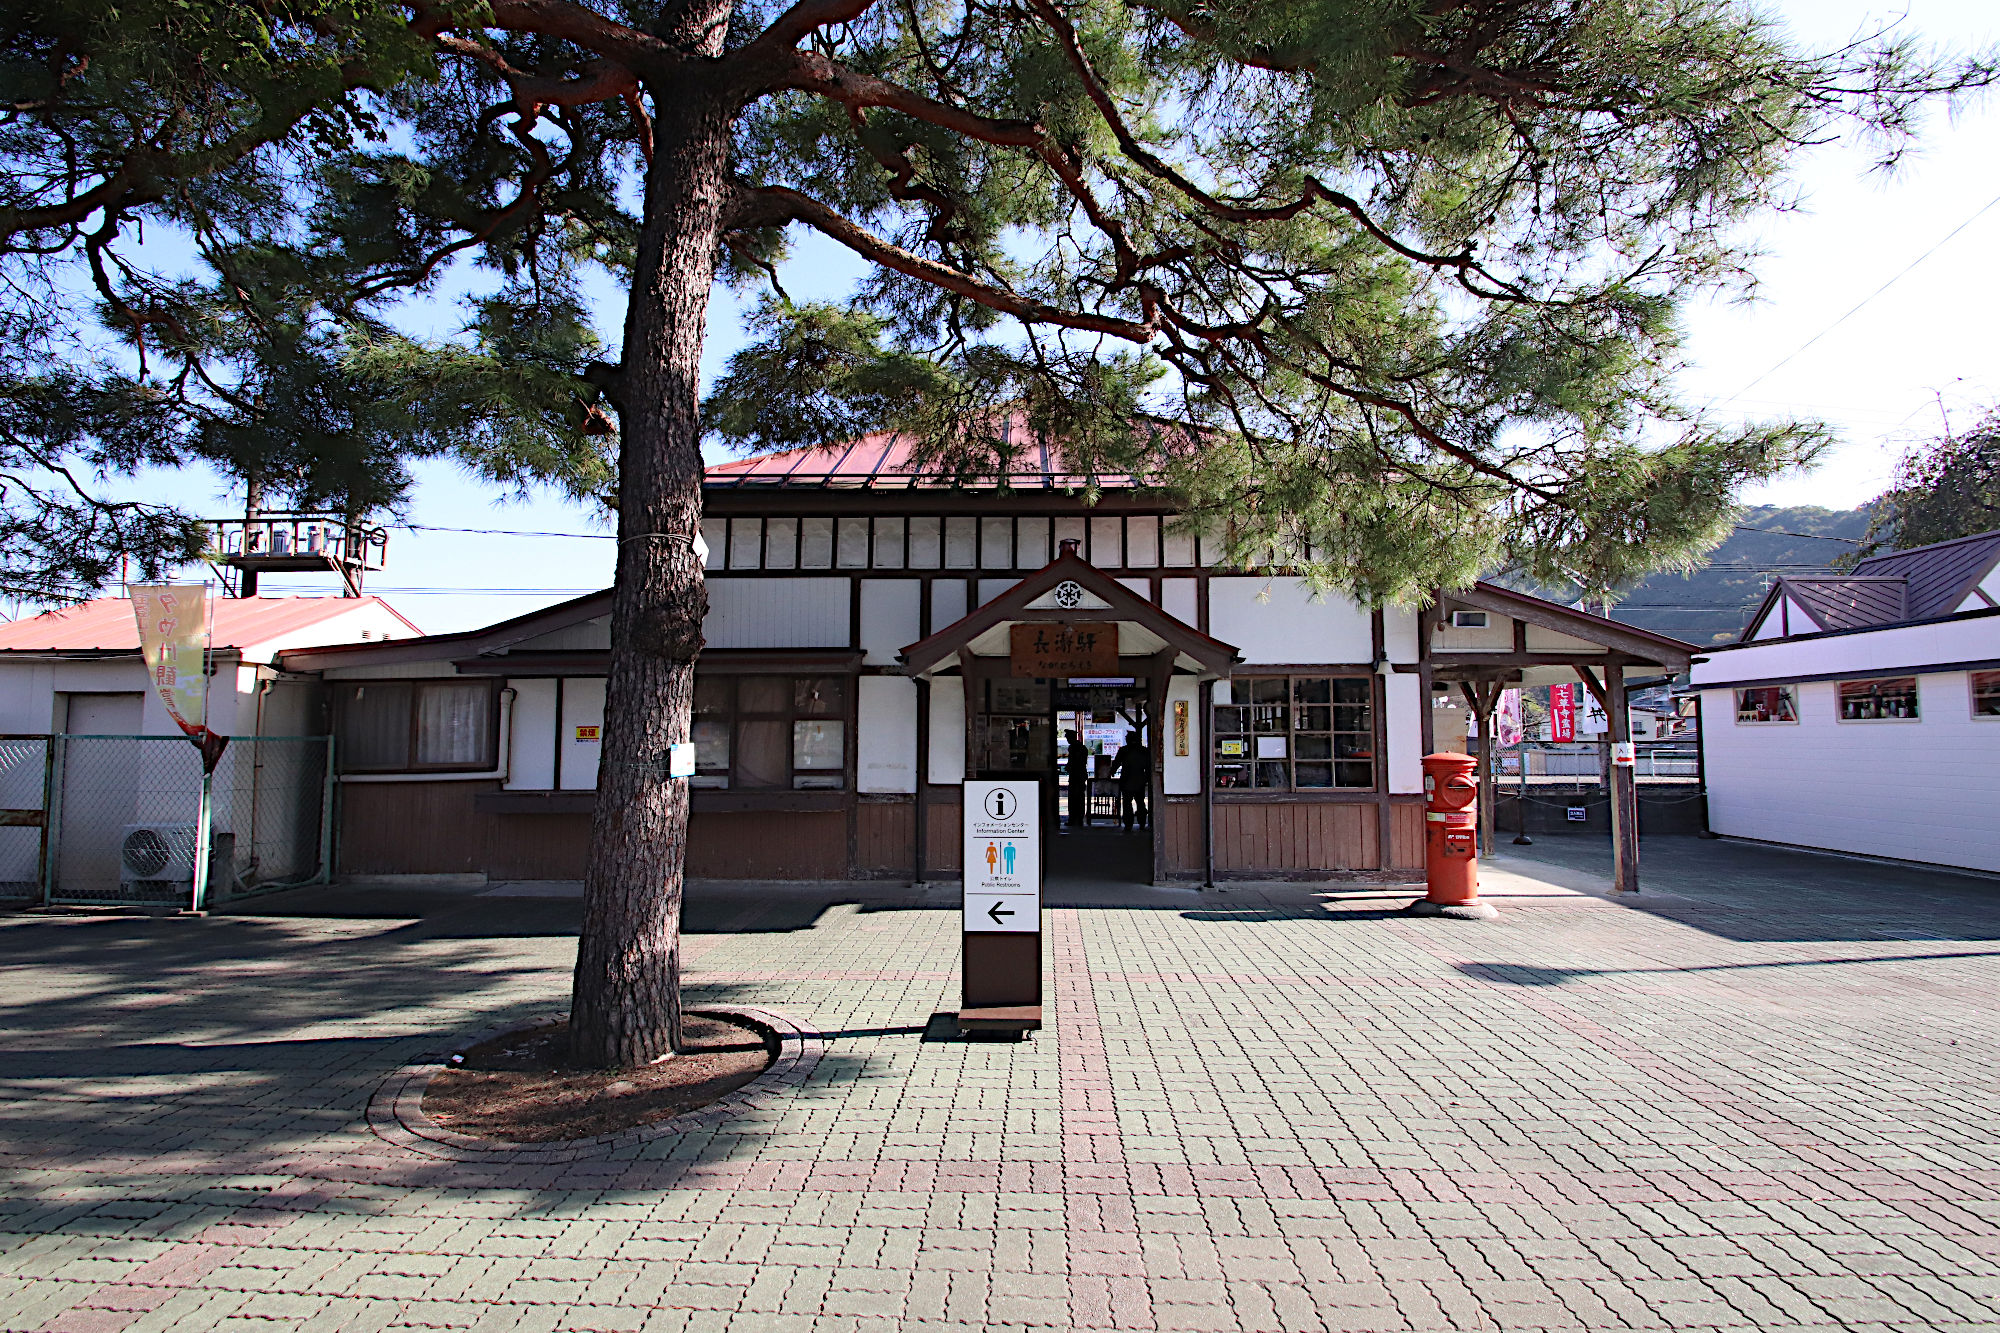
<point x="107" y="623"/>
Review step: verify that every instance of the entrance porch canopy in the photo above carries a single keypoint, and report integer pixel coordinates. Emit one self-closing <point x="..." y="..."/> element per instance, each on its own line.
<point x="1070" y="588"/>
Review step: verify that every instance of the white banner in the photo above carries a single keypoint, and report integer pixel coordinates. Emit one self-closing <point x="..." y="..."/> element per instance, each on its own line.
<point x="174" y="629"/>
<point x="1507" y="719"/>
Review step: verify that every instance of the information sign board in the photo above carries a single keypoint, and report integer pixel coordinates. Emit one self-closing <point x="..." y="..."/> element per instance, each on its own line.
<point x="1003" y="858"/>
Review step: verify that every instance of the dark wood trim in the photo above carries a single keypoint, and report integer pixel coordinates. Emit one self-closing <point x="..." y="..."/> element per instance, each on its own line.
<point x="1378" y="690"/>
<point x="701" y="801"/>
<point x="1124" y="604"/>
<point x="556" y="776"/>
<point x="1426" y="683"/>
<point x="921" y="830"/>
<point x="1307" y="796"/>
<point x="1157" y="678"/>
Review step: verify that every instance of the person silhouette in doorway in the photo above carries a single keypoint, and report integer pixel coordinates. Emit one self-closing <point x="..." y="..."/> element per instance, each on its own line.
<point x="1134" y="770"/>
<point x="1076" y="765"/>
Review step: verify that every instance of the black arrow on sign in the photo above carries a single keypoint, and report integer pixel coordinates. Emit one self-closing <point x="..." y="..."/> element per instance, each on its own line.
<point x="995" y="912"/>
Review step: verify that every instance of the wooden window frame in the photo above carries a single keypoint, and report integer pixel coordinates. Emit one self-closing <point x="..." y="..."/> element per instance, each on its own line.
<point x="1291" y="732"/>
<point x="343" y="700"/>
<point x="845" y="715"/>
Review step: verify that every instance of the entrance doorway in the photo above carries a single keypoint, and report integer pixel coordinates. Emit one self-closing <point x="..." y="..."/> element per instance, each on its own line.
<point x="1092" y="745"/>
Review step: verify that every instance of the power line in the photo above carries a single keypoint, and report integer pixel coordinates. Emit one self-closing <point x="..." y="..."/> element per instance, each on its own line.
<point x="1809" y="536"/>
<point x="507" y="532"/>
<point x="1863" y="301"/>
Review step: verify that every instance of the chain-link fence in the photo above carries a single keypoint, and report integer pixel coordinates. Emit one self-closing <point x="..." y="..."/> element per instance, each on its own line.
<point x="112" y="820"/>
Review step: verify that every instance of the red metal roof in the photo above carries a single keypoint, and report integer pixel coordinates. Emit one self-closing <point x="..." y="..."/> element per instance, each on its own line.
<point x="883" y="461"/>
<point x="107" y="624"/>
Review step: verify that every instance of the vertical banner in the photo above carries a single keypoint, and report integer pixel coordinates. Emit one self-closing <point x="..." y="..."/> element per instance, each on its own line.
<point x="1562" y="713"/>
<point x="174" y="630"/>
<point x="173" y="637"/>
<point x="1507" y="720"/>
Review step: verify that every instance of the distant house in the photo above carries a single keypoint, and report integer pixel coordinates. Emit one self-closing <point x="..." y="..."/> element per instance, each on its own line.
<point x="1860" y="712"/>
<point x="73" y="805"/>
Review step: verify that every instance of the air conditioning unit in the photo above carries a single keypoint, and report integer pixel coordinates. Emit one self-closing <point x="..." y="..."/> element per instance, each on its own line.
<point x="157" y="852"/>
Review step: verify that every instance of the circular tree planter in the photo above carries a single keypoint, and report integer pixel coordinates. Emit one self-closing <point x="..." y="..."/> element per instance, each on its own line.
<point x="513" y="1059"/>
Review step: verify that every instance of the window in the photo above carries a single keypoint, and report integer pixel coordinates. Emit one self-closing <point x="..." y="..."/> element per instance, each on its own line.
<point x="404" y="726"/>
<point x="770" y="733"/>
<point x="1768" y="703"/>
<point x="1296" y="733"/>
<point x="1889" y="699"/>
<point x="1986" y="694"/>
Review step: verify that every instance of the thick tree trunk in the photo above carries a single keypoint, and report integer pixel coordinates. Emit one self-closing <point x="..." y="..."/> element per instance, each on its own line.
<point x="625" y="1007"/>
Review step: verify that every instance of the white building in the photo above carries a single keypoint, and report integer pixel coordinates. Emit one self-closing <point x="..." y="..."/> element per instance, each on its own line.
<point x="67" y="806"/>
<point x="1861" y="713"/>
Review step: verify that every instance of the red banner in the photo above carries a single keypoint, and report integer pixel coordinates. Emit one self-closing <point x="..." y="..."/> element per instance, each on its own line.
<point x="1562" y="712"/>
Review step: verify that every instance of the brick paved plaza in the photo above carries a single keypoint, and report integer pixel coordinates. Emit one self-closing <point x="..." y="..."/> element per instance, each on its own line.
<point x="1765" y="1098"/>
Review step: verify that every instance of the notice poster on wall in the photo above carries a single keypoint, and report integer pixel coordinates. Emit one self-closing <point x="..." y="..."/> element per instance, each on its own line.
<point x="1562" y="713"/>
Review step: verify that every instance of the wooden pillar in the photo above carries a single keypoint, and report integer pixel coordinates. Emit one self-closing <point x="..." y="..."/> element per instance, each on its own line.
<point x="1624" y="789"/>
<point x="1158" y="677"/>
<point x="1624" y="793"/>
<point x="1483" y="696"/>
<point x="919" y="852"/>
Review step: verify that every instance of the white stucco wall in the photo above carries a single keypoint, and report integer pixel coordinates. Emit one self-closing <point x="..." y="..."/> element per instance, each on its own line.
<point x="891" y="618"/>
<point x="582" y="706"/>
<point x="531" y="758"/>
<point x="947" y="756"/>
<point x="777" y="612"/>
<point x="1288" y="625"/>
<point x="1917" y="790"/>
<point x="886" y="748"/>
<point x="1403" y="703"/>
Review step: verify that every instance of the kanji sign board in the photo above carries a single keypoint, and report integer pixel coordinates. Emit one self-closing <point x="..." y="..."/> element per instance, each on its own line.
<point x="1003" y="858"/>
<point x="1060" y="650"/>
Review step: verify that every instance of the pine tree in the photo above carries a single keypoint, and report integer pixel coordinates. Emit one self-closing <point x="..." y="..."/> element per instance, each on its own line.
<point x="1393" y="283"/>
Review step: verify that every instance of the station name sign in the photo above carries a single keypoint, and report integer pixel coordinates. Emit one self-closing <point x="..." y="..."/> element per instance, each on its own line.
<point x="1053" y="648"/>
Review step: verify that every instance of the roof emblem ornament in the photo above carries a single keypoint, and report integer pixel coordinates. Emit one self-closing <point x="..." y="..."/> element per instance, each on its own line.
<point x="1068" y="594"/>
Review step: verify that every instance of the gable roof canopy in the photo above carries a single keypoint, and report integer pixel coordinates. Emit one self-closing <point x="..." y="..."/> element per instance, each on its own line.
<point x="1144" y="630"/>
<point x="1572" y="639"/>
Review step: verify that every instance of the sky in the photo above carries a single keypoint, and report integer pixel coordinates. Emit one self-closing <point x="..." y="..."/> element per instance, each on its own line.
<point x="1911" y="249"/>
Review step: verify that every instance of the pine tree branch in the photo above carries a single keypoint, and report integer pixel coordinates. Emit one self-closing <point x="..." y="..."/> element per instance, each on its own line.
<point x="775" y="205"/>
<point x="1462" y="264"/>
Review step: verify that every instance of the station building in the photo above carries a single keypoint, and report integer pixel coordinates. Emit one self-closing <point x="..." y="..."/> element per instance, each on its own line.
<point x="876" y="635"/>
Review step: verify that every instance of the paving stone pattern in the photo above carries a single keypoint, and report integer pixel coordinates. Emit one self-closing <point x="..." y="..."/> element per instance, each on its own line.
<point x="1268" y="1109"/>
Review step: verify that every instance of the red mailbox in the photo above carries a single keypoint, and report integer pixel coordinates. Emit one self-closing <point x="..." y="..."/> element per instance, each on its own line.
<point x="1451" y="830"/>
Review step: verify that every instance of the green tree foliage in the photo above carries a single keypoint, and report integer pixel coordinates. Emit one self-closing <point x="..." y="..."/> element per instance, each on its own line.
<point x="1395" y="282"/>
<point x="1948" y="487"/>
<point x="251" y="332"/>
